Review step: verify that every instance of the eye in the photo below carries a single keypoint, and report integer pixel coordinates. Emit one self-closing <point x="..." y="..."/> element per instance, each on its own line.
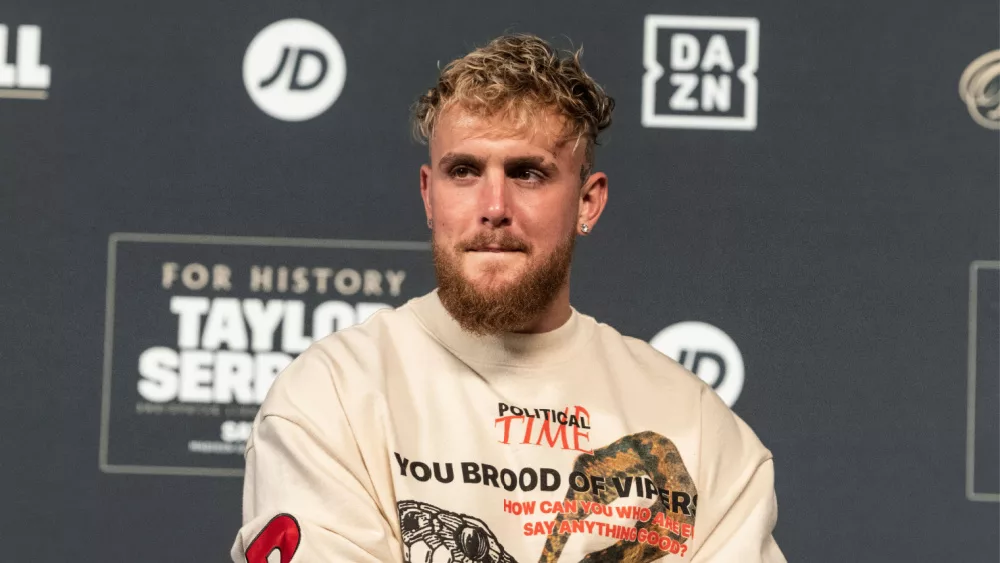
<point x="461" y="171"/>
<point x="414" y="520"/>
<point x="473" y="543"/>
<point x="527" y="175"/>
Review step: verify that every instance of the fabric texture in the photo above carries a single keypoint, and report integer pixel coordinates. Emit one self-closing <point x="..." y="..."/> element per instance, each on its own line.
<point x="406" y="438"/>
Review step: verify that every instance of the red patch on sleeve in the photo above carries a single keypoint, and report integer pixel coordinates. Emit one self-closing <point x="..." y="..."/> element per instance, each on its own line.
<point x="281" y="533"/>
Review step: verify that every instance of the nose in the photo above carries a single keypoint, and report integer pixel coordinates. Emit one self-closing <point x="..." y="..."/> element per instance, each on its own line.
<point x="494" y="201"/>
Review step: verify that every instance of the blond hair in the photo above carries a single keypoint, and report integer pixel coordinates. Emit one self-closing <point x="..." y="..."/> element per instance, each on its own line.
<point x="518" y="76"/>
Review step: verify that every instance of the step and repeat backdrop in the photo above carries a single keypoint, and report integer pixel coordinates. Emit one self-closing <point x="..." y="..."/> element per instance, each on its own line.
<point x="804" y="212"/>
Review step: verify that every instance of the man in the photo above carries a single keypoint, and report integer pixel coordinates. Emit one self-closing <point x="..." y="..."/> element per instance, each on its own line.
<point x="489" y="421"/>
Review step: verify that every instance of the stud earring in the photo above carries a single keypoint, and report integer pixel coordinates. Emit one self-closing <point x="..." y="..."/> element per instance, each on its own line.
<point x="585" y="228"/>
<point x="430" y="224"/>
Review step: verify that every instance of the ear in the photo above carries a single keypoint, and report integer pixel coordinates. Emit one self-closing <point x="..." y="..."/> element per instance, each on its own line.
<point x="425" y="190"/>
<point x="593" y="198"/>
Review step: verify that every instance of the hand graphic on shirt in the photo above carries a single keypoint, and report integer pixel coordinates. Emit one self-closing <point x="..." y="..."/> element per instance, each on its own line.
<point x="433" y="535"/>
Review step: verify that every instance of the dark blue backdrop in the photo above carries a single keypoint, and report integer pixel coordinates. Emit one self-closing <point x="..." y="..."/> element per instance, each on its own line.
<point x="833" y="241"/>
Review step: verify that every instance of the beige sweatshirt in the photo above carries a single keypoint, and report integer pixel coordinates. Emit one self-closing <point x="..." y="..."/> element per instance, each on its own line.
<point x="406" y="438"/>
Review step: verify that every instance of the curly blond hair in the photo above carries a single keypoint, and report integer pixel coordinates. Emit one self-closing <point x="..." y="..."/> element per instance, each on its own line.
<point x="518" y="76"/>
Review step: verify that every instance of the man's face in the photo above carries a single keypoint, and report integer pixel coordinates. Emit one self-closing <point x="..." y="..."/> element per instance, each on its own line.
<point x="505" y="205"/>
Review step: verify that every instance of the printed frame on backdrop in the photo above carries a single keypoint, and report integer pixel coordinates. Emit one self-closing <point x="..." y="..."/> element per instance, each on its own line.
<point x="970" y="440"/>
<point x="109" y="321"/>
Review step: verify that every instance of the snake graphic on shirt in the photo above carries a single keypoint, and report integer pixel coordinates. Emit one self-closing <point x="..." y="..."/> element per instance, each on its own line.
<point x="636" y="456"/>
<point x="432" y="534"/>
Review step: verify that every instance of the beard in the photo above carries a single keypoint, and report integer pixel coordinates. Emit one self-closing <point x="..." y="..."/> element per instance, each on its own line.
<point x="502" y="307"/>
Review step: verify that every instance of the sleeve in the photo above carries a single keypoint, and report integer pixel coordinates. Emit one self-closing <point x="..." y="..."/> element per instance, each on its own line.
<point x="737" y="506"/>
<point x="306" y="491"/>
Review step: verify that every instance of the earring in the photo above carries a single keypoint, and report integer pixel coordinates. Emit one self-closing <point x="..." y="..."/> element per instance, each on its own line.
<point x="430" y="224"/>
<point x="585" y="228"/>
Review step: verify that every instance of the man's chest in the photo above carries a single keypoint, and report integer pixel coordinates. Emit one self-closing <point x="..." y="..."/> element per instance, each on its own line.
<point x="550" y="473"/>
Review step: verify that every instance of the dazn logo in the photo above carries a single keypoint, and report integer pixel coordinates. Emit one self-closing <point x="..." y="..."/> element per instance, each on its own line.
<point x="700" y="72"/>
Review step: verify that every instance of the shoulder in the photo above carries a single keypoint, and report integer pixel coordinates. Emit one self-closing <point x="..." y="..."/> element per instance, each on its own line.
<point x="664" y="375"/>
<point x="347" y="363"/>
<point x="659" y="368"/>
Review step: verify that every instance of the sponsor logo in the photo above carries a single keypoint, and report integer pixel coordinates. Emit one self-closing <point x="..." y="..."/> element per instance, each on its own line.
<point x="707" y="352"/>
<point x="197" y="329"/>
<point x="700" y="72"/>
<point x="294" y="70"/>
<point x="24" y="78"/>
<point x="982" y="467"/>
<point x="979" y="88"/>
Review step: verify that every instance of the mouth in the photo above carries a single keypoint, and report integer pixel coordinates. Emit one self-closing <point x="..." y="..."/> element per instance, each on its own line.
<point x="496" y="244"/>
<point x="495" y="249"/>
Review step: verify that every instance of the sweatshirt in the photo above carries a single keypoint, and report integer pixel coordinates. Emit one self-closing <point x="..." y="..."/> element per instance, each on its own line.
<point x="407" y="438"/>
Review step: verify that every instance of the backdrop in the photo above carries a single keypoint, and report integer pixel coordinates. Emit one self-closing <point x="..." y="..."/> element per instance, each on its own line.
<point x="803" y="210"/>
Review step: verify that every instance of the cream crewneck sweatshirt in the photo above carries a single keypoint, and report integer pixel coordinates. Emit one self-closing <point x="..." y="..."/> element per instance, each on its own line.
<point x="406" y="438"/>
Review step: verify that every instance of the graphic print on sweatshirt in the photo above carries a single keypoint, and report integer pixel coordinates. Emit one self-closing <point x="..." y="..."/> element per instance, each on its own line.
<point x="635" y="490"/>
<point x="434" y="534"/>
<point x="645" y="465"/>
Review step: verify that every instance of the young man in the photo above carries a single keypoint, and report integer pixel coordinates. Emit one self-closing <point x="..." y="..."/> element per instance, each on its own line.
<point x="489" y="421"/>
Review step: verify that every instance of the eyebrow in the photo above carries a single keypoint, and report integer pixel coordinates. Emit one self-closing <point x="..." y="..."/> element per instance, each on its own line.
<point x="451" y="160"/>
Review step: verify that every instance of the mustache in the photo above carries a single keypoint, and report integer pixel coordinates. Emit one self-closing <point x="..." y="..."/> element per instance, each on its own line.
<point x="502" y="239"/>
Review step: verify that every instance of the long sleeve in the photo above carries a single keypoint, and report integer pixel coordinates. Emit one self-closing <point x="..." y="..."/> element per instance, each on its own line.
<point x="307" y="492"/>
<point x="737" y="507"/>
<point x="744" y="533"/>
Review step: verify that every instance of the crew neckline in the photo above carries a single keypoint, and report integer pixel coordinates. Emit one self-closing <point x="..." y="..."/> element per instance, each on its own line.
<point x="508" y="349"/>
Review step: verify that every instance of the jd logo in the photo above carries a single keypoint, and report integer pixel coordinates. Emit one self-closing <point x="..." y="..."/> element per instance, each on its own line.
<point x="295" y="83"/>
<point x="26" y="78"/>
<point x="707" y="352"/>
<point x="700" y="72"/>
<point x="294" y="70"/>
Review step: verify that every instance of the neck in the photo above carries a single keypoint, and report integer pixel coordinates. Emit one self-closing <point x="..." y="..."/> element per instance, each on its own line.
<point x="551" y="338"/>
<point x="553" y="317"/>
